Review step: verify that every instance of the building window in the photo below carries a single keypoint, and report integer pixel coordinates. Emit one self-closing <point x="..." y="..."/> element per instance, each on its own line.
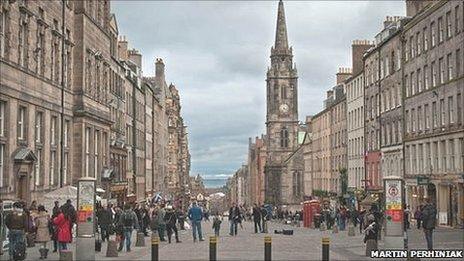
<point x="456" y="19"/>
<point x="459" y="103"/>
<point x="407" y="86"/>
<point x="23" y="41"/>
<point x="458" y="63"/>
<point x="433" y="72"/>
<point x="65" y="168"/>
<point x="448" y="24"/>
<point x="451" y="109"/>
<point x="3" y="32"/>
<point x="433" y="34"/>
<point x="2" y="118"/>
<point x="53" y="130"/>
<point x="37" y="167"/>
<point x="441" y="70"/>
<point x="52" y="167"/>
<point x="2" y="163"/>
<point x="22" y="123"/>
<point x="38" y="127"/>
<point x="427" y="116"/>
<point x="419" y="118"/>
<point x="449" y="62"/>
<point x="413" y="84"/>
<point x="87" y="151"/>
<point x="441" y="35"/>
<point x="443" y="155"/>
<point x="104" y="149"/>
<point x="418" y="43"/>
<point x="451" y="155"/>
<point x="419" y="80"/>
<point x="413" y="120"/>
<point x="426" y="77"/>
<point x="283" y="92"/>
<point x="435" y="153"/>
<point x="95" y="150"/>
<point x="284" y="138"/>
<point x="434" y="114"/>
<point x="66" y="133"/>
<point x="442" y="112"/>
<point x="425" y="39"/>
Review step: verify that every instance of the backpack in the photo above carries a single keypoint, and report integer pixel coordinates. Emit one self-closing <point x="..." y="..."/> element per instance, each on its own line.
<point x="127" y="219"/>
<point x="19" y="252"/>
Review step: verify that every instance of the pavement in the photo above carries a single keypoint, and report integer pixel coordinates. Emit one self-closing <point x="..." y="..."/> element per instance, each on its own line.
<point x="305" y="244"/>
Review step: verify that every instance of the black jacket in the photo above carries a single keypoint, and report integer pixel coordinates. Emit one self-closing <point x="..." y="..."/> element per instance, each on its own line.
<point x="170" y="218"/>
<point x="256" y="214"/>
<point x="429" y="213"/>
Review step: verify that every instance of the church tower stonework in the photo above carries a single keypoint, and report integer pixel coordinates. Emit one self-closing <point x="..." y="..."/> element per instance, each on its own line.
<point x="282" y="111"/>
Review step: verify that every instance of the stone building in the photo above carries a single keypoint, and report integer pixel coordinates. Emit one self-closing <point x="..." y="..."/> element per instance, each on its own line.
<point x="388" y="46"/>
<point x="256" y="162"/>
<point x="433" y="77"/>
<point x="282" y="112"/>
<point x="329" y="143"/>
<point x="308" y="185"/>
<point x="30" y="118"/>
<point x="373" y="179"/>
<point x="355" y="115"/>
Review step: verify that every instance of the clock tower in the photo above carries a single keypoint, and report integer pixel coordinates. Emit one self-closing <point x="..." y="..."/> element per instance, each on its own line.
<point x="282" y="109"/>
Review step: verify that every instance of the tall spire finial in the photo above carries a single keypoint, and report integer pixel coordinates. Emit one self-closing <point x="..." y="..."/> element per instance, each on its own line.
<point x="281" y="41"/>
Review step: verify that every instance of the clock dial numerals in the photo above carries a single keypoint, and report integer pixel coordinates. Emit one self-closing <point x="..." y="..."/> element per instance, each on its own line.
<point x="284" y="108"/>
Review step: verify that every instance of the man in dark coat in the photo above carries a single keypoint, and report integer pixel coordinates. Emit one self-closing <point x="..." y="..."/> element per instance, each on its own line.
<point x="429" y="213"/>
<point x="234" y="216"/>
<point x="105" y="220"/>
<point x="257" y="218"/>
<point x="171" y="219"/>
<point x="264" y="217"/>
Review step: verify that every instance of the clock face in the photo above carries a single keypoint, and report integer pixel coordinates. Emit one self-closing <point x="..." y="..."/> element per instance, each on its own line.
<point x="284" y="108"/>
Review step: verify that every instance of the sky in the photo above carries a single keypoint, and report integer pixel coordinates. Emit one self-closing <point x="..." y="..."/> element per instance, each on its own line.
<point x="217" y="54"/>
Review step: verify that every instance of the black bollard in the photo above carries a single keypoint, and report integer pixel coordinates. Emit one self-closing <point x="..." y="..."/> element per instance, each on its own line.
<point x="325" y="248"/>
<point x="154" y="247"/>
<point x="212" y="248"/>
<point x="267" y="248"/>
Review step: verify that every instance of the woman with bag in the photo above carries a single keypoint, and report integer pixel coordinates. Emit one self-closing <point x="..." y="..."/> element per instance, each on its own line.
<point x="42" y="222"/>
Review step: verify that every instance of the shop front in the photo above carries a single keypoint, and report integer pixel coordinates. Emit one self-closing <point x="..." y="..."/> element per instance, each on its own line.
<point x="118" y="191"/>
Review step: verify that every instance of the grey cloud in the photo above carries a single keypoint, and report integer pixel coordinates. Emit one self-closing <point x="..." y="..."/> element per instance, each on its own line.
<point x="217" y="53"/>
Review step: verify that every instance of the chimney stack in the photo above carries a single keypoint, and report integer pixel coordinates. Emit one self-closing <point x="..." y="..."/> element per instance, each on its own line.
<point x="358" y="48"/>
<point x="159" y="68"/>
<point x="122" y="48"/>
<point x="135" y="56"/>
<point x="343" y="74"/>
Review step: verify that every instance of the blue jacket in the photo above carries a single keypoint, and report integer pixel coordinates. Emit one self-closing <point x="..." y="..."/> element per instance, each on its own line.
<point x="195" y="213"/>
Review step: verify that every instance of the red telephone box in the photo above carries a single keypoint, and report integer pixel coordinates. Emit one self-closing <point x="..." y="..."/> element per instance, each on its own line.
<point x="310" y="208"/>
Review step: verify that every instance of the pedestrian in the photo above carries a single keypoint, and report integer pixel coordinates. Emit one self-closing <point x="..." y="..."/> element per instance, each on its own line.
<point x="44" y="227"/>
<point x="161" y="223"/>
<point x="105" y="221"/>
<point x="361" y="220"/>
<point x="145" y="220"/>
<point x="406" y="217"/>
<point x="234" y="216"/>
<point x="16" y="223"/>
<point x="128" y="220"/>
<point x="181" y="218"/>
<point x="217" y="224"/>
<point x="429" y="213"/>
<point x="418" y="216"/>
<point x="195" y="215"/>
<point x="256" y="218"/>
<point x="264" y="217"/>
<point x="56" y="210"/>
<point x="119" y="228"/>
<point x="171" y="220"/>
<point x="63" y="225"/>
<point x="372" y="229"/>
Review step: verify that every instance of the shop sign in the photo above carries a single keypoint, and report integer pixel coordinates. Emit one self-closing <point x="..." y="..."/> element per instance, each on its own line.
<point x="422" y="180"/>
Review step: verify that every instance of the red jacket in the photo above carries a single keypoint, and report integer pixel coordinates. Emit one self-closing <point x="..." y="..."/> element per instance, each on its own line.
<point x="64" y="228"/>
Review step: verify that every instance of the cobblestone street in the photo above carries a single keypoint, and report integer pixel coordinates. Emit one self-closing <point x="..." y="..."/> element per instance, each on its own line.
<point x="305" y="244"/>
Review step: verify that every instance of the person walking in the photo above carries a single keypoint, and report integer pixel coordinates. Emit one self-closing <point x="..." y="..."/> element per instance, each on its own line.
<point x="16" y="222"/>
<point x="195" y="215"/>
<point x="257" y="218"/>
<point x="181" y="218"/>
<point x="234" y="216"/>
<point x="56" y="210"/>
<point x="128" y="221"/>
<point x="105" y="220"/>
<point x="171" y="219"/>
<point x="44" y="229"/>
<point x="161" y="223"/>
<point x="418" y="216"/>
<point x="217" y="224"/>
<point x="429" y="214"/>
<point x="264" y="216"/>
<point x="63" y="225"/>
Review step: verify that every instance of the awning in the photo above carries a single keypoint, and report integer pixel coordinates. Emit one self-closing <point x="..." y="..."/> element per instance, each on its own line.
<point x="24" y="154"/>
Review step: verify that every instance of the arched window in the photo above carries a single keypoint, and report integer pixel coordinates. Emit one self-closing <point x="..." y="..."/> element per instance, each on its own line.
<point x="283" y="92"/>
<point x="284" y="138"/>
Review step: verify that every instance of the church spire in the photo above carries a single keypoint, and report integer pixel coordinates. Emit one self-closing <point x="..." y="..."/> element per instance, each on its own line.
<point x="281" y="41"/>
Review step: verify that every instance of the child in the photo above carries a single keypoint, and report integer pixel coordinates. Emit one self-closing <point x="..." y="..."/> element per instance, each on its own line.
<point x="216" y="224"/>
